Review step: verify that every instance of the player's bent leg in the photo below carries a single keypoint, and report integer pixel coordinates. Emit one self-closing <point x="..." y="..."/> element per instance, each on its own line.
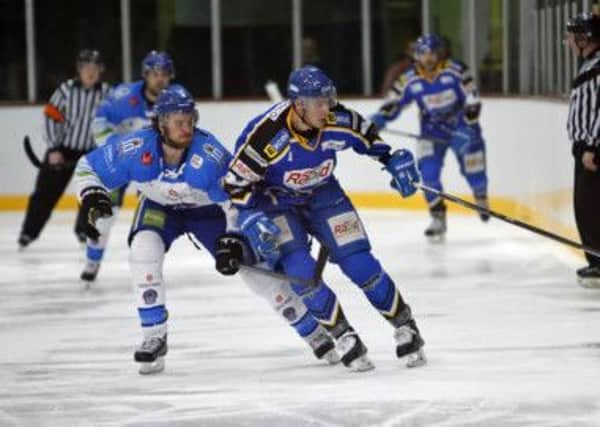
<point x="430" y="169"/>
<point x="145" y="261"/>
<point x="472" y="162"/>
<point x="366" y="271"/>
<point x="95" y="248"/>
<point x="288" y="305"/>
<point x="325" y="307"/>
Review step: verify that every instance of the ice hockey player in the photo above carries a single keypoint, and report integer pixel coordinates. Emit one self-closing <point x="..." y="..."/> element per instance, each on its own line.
<point x="449" y="105"/>
<point x="126" y="109"/>
<point x="282" y="180"/>
<point x="178" y="170"/>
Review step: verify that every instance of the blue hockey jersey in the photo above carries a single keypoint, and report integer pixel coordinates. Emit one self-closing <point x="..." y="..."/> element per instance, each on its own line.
<point x="126" y="109"/>
<point x="272" y="158"/>
<point x="138" y="158"/>
<point x="446" y="97"/>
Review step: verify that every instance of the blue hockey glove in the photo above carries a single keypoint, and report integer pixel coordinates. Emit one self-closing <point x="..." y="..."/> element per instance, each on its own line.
<point x="378" y="121"/>
<point x="262" y="234"/>
<point x="404" y="172"/>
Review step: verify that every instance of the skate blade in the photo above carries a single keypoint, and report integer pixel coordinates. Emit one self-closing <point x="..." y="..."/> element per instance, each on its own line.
<point x="416" y="359"/>
<point x="149" y="368"/>
<point x="361" y="364"/>
<point x="589" y="283"/>
<point x="437" y="239"/>
<point x="332" y="357"/>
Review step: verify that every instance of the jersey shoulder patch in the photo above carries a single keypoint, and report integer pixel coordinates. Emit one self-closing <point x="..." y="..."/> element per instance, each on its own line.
<point x="340" y="116"/>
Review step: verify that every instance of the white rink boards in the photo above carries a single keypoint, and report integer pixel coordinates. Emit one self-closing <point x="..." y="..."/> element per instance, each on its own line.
<point x="511" y="339"/>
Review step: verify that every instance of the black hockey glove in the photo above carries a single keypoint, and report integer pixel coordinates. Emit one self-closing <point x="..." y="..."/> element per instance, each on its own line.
<point x="230" y="253"/>
<point x="95" y="204"/>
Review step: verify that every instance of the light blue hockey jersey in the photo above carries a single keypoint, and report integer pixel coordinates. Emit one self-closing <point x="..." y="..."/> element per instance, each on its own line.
<point x="126" y="109"/>
<point x="138" y="158"/>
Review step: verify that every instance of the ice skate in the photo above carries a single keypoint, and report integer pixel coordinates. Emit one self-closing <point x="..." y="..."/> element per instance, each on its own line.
<point x="436" y="232"/>
<point x="89" y="273"/>
<point x="324" y="348"/>
<point x="151" y="355"/>
<point x="589" y="277"/>
<point x="24" y="241"/>
<point x="482" y="202"/>
<point x="409" y="345"/>
<point x="354" y="352"/>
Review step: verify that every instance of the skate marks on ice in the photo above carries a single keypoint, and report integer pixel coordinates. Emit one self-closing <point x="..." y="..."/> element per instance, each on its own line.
<point x="511" y="339"/>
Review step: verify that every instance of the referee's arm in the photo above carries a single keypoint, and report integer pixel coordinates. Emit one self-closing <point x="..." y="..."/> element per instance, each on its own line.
<point x="55" y="117"/>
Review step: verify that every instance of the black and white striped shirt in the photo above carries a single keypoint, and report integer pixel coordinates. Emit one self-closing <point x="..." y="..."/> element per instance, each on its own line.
<point x="69" y="115"/>
<point x="583" y="125"/>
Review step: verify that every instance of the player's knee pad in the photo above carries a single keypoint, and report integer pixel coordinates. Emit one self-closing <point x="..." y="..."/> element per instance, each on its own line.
<point x="145" y="261"/>
<point x="360" y="266"/>
<point x="277" y="293"/>
<point x="283" y="299"/>
<point x="299" y="263"/>
<point x="364" y="270"/>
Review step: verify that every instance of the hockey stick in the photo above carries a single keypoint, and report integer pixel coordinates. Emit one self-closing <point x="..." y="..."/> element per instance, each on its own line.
<point x="315" y="281"/>
<point x="319" y="267"/>
<point x="414" y="136"/>
<point x="35" y="160"/>
<point x="508" y="219"/>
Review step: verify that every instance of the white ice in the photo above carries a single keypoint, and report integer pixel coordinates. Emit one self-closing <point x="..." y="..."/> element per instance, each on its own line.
<point x="511" y="339"/>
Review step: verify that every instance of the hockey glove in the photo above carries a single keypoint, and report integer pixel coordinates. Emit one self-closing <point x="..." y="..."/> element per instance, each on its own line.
<point x="262" y="234"/>
<point x="230" y="253"/>
<point x="401" y="166"/>
<point x="95" y="204"/>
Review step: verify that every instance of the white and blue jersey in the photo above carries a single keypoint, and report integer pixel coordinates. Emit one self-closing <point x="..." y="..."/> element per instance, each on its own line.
<point x="125" y="110"/>
<point x="174" y="198"/>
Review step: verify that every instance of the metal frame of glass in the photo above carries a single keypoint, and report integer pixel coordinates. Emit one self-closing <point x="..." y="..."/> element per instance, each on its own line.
<point x="548" y="73"/>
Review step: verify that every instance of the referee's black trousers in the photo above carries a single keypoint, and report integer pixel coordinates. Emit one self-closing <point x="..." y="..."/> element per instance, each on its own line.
<point x="586" y="195"/>
<point x="49" y="186"/>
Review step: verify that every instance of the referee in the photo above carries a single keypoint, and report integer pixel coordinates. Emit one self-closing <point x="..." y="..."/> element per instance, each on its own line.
<point x="68" y="117"/>
<point x="583" y="127"/>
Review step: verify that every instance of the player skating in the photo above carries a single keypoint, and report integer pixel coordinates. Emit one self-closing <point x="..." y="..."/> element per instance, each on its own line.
<point x="282" y="180"/>
<point x="449" y="105"/>
<point x="177" y="169"/>
<point x="127" y="109"/>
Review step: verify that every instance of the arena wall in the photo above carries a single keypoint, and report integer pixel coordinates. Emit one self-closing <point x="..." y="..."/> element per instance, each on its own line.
<point x="529" y="163"/>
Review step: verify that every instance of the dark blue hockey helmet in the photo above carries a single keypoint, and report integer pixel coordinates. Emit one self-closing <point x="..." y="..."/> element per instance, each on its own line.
<point x="585" y="24"/>
<point x="428" y="43"/>
<point x="174" y="99"/>
<point x="310" y="82"/>
<point x="156" y="60"/>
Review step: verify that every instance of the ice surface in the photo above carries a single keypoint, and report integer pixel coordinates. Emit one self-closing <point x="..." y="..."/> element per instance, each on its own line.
<point x="511" y="339"/>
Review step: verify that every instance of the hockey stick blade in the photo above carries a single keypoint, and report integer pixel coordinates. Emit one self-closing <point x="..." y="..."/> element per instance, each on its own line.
<point x="508" y="219"/>
<point x="35" y="161"/>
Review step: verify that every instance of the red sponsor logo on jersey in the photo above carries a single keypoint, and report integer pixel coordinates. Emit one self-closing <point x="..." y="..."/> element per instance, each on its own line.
<point x="147" y="158"/>
<point x="134" y="101"/>
<point x="347" y="227"/>
<point x="308" y="177"/>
